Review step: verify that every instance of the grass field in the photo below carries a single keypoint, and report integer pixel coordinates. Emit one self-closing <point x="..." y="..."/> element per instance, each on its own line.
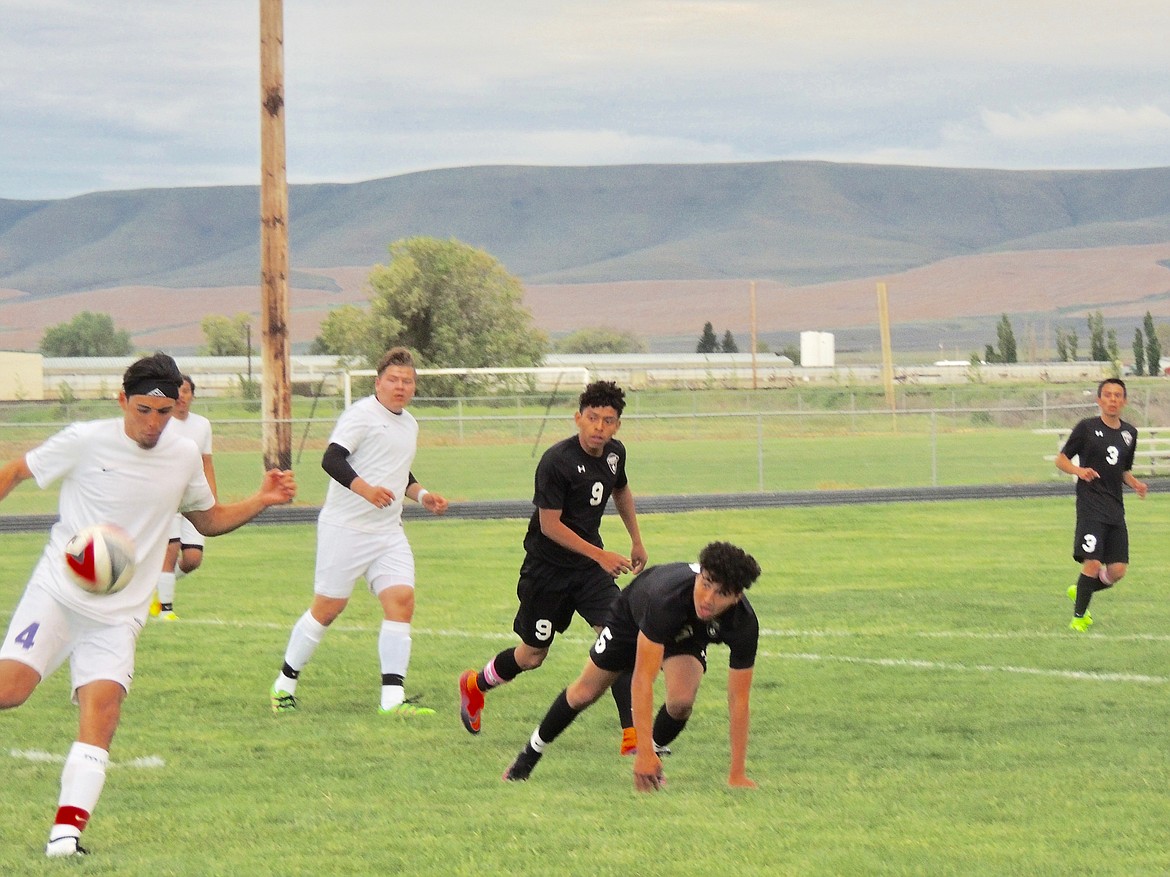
<point x="919" y="708"/>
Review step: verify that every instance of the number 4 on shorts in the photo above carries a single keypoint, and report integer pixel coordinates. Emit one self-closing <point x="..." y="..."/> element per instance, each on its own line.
<point x="25" y="637"/>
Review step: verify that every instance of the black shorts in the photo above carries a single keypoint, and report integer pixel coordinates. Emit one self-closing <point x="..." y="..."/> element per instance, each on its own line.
<point x="549" y="595"/>
<point x="615" y="650"/>
<point x="1095" y="540"/>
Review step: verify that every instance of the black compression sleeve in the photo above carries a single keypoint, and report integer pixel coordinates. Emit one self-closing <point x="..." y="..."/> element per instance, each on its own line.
<point x="336" y="463"/>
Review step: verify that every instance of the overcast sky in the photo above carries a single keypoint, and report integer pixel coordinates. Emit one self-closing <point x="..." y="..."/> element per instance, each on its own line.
<point x="116" y="94"/>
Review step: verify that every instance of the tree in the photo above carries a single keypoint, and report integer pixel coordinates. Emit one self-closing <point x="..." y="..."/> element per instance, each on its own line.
<point x="225" y="337"/>
<point x="1112" y="348"/>
<point x="1061" y="345"/>
<point x="1098" y="352"/>
<point x="708" y="343"/>
<point x="87" y="334"/>
<point x="1071" y="340"/>
<point x="600" y="340"/>
<point x="454" y="306"/>
<point x="1153" y="347"/>
<point x="729" y="345"/>
<point x="347" y="333"/>
<point x="1139" y="352"/>
<point x="1007" y="340"/>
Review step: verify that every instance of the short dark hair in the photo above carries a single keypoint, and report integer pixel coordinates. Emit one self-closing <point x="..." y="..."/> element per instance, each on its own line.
<point x="602" y="394"/>
<point x="187" y="380"/>
<point x="729" y="566"/>
<point x="1118" y="381"/>
<point x="156" y="367"/>
<point x="395" y="356"/>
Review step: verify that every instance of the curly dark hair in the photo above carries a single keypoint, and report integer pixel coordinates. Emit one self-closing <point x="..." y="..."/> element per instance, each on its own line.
<point x="602" y="394"/>
<point x="157" y="367"/>
<point x="729" y="566"/>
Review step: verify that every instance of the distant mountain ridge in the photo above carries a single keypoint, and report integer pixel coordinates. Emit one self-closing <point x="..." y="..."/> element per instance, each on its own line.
<point x="795" y="223"/>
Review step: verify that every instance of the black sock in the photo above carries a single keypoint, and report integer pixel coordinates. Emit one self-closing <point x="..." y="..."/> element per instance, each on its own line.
<point x="1086" y="587"/>
<point x="667" y="727"/>
<point x="559" y="716"/>
<point x="506" y="669"/>
<point x="288" y="671"/>
<point x="622" y="697"/>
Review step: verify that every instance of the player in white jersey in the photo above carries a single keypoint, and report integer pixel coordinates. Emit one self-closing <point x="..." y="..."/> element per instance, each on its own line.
<point x="131" y="472"/>
<point x="185" y="549"/>
<point x="359" y="533"/>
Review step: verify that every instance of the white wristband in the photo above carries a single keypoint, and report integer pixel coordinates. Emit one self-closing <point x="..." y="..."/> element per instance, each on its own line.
<point x="422" y="491"/>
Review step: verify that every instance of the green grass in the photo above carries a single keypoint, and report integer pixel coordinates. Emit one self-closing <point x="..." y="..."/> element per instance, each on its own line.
<point x="919" y="708"/>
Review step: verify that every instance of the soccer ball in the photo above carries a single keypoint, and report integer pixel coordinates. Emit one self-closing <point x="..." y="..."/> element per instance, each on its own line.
<point x="100" y="559"/>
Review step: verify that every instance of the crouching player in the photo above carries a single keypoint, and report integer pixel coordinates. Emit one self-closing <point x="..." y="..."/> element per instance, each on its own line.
<point x="664" y="620"/>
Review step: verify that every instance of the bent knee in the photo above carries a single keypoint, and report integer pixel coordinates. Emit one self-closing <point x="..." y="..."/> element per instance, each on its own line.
<point x="528" y="658"/>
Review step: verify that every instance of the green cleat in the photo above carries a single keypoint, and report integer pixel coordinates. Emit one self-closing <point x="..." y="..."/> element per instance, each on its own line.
<point x="1072" y="593"/>
<point x="282" y="701"/>
<point x="407" y="709"/>
<point x="1081" y="625"/>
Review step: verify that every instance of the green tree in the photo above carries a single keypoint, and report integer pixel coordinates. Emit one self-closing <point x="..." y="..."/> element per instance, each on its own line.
<point x="1007" y="340"/>
<point x="1139" y="352"/>
<point x="1072" y="341"/>
<point x="1153" y="347"/>
<point x="87" y="334"/>
<point x="346" y="332"/>
<point x="1098" y="351"/>
<point x="600" y="340"/>
<point x="729" y="345"/>
<point x="708" y="343"/>
<point x="1061" y="345"/>
<point x="1112" y="348"/>
<point x="792" y="351"/>
<point x="224" y="336"/>
<point x="454" y="306"/>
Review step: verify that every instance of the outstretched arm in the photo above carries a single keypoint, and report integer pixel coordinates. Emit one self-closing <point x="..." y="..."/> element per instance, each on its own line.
<point x="648" y="775"/>
<point x="739" y="687"/>
<point x="277" y="488"/>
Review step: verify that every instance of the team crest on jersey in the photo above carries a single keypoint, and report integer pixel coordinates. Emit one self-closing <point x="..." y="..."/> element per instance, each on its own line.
<point x="612" y="459"/>
<point x="1126" y="437"/>
<point x="713" y="631"/>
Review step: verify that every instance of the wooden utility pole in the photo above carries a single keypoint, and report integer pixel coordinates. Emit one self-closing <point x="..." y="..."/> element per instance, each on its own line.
<point x="887" y="350"/>
<point x="275" y="394"/>
<point x="755" y="378"/>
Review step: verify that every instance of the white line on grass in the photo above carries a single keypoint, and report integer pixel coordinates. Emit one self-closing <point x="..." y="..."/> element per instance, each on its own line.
<point x="1079" y="675"/>
<point x="148" y="762"/>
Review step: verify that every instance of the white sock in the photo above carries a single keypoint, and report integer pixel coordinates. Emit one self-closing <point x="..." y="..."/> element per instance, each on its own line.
<point x="82" y="780"/>
<point x="180" y="572"/>
<point x="394" y="655"/>
<point x="306" y="635"/>
<point x="166" y="587"/>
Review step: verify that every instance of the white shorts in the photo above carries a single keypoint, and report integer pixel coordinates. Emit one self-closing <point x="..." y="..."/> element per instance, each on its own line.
<point x="345" y="555"/>
<point x="43" y="633"/>
<point x="185" y="532"/>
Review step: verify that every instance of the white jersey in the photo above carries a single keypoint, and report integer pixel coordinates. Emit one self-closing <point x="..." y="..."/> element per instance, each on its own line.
<point x="197" y="428"/>
<point x="381" y="447"/>
<point x="107" y="478"/>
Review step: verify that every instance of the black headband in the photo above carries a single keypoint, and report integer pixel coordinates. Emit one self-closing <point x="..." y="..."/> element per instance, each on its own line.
<point x="152" y="387"/>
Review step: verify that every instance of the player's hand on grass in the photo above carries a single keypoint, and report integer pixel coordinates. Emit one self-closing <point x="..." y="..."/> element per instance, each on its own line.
<point x="648" y="773"/>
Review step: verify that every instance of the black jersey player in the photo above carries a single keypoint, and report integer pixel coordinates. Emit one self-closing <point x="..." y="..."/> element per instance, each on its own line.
<point x="1104" y="447"/>
<point x="664" y="620"/>
<point x="566" y="566"/>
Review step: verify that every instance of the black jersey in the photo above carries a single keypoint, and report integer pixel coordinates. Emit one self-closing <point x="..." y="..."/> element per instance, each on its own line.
<point x="579" y="485"/>
<point x="1109" y="452"/>
<point x="660" y="603"/>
